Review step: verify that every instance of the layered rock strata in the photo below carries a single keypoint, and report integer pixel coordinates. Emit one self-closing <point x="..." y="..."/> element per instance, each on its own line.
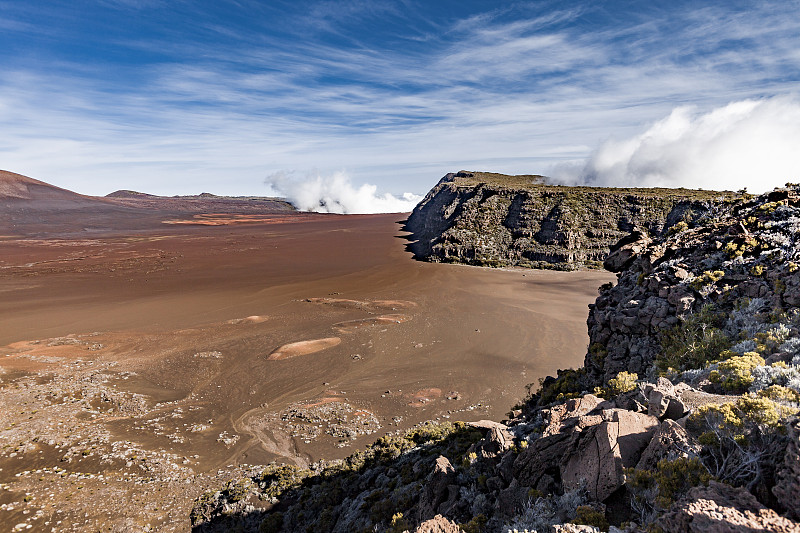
<point x="491" y="219"/>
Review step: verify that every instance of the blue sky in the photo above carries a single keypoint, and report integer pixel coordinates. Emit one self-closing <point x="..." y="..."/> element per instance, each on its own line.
<point x="176" y="97"/>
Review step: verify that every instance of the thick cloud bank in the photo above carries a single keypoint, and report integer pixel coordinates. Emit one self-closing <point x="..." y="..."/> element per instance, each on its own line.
<point x="751" y="143"/>
<point x="336" y="194"/>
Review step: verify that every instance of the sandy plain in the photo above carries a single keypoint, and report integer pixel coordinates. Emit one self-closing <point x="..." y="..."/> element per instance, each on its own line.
<point x="143" y="365"/>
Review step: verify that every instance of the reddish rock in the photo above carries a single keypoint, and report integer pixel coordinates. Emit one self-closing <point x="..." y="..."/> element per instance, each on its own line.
<point x="438" y="524"/>
<point x="571" y="409"/>
<point x="597" y="455"/>
<point x="720" y="508"/>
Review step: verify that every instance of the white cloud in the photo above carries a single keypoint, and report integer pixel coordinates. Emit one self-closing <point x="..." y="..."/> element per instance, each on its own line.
<point x="749" y="143"/>
<point x="337" y="194"/>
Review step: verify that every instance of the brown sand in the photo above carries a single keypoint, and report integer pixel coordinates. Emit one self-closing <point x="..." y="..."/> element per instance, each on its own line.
<point x="156" y="340"/>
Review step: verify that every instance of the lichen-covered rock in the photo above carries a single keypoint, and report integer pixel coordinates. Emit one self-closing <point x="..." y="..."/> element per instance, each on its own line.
<point x="720" y="508"/>
<point x="491" y="219"/>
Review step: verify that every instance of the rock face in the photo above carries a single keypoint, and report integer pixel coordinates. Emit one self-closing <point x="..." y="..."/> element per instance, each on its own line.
<point x="720" y="508"/>
<point x="497" y="220"/>
<point x="743" y="252"/>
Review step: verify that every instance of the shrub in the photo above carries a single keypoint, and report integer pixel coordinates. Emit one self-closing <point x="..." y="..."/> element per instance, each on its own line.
<point x="735" y="374"/>
<point x="568" y="384"/>
<point x="398" y="524"/>
<point x="657" y="490"/>
<point x="706" y="278"/>
<point x="693" y="343"/>
<point x="587" y="515"/>
<point x="678" y="227"/>
<point x="475" y="525"/>
<point x="780" y="394"/>
<point x="273" y="523"/>
<point x="624" y="382"/>
<point x="276" y="479"/>
<point x="739" y="437"/>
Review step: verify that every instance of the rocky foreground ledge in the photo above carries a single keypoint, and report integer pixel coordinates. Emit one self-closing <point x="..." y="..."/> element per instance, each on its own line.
<point x="489" y="219"/>
<point x="684" y="417"/>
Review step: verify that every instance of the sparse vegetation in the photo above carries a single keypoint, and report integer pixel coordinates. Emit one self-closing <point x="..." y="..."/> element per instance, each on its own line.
<point x="695" y="342"/>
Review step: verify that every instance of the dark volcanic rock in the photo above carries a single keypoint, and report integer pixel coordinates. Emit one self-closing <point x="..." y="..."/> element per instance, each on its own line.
<point x="490" y="219"/>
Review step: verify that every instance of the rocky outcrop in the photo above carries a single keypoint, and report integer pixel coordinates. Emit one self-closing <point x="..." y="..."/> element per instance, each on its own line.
<point x="490" y="219"/>
<point x="720" y="508"/>
<point x="437" y="490"/>
<point x="743" y="251"/>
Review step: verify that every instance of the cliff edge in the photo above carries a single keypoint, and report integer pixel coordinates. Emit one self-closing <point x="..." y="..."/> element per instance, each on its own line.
<point x="490" y="219"/>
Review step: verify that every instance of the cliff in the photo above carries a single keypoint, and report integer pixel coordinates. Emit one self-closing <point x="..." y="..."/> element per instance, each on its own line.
<point x="684" y="417"/>
<point x="488" y="219"/>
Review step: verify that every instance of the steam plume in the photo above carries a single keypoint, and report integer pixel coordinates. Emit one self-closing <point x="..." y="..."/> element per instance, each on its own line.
<point x="336" y="194"/>
<point x="750" y="143"/>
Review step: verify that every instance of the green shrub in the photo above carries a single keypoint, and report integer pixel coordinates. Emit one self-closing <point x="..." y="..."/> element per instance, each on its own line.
<point x="739" y="438"/>
<point x="693" y="343"/>
<point x="777" y="393"/>
<point x="624" y="382"/>
<point x="276" y="479"/>
<point x="658" y="489"/>
<point x="679" y="227"/>
<point x="707" y="278"/>
<point x="587" y="515"/>
<point x="567" y="384"/>
<point x="735" y="374"/>
<point x="398" y="524"/>
<point x="475" y="525"/>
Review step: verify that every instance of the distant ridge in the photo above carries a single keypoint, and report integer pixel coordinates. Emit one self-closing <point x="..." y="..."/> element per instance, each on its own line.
<point x="34" y="208"/>
<point x="15" y="186"/>
<point x="125" y="193"/>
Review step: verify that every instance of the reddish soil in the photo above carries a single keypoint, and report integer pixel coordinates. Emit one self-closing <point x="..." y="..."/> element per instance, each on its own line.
<point x="135" y="366"/>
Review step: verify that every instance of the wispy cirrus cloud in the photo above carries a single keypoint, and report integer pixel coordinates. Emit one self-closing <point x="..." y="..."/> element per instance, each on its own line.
<point x="392" y="92"/>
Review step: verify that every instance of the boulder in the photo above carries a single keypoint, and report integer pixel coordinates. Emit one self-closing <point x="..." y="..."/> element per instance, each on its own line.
<point x="565" y="414"/>
<point x="438" y="524"/>
<point x="510" y="500"/>
<point x="596" y="456"/>
<point x="661" y="405"/>
<point x="625" y="251"/>
<point x="787" y="486"/>
<point x="542" y="457"/>
<point x="436" y="488"/>
<point x="497" y="441"/>
<point x="669" y="442"/>
<point x="720" y="508"/>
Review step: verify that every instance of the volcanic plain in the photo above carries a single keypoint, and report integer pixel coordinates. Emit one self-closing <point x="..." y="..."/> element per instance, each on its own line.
<point x="151" y="348"/>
